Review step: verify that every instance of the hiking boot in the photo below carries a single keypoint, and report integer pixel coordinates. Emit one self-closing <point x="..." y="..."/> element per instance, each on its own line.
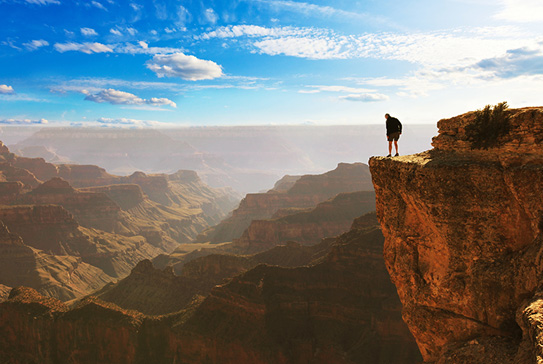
<point x="388" y="156"/>
<point x="397" y="155"/>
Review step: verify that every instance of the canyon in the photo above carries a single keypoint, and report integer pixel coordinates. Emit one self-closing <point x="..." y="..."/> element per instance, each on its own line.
<point x="77" y="227"/>
<point x="301" y="192"/>
<point x="446" y="271"/>
<point x="340" y="307"/>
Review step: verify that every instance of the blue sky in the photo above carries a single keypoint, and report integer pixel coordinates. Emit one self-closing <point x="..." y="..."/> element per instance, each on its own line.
<point x="249" y="62"/>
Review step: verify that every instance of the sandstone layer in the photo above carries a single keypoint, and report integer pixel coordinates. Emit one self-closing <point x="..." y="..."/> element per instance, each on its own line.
<point x="298" y="226"/>
<point x="463" y="240"/>
<point x="70" y="237"/>
<point x="304" y="192"/>
<point x="342" y="308"/>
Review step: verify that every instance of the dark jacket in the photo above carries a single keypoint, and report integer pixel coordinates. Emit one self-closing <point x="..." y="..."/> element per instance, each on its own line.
<point x="393" y="125"/>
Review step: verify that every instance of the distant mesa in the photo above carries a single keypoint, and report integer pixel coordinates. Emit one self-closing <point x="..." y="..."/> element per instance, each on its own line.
<point x="54" y="185"/>
<point x="304" y="192"/>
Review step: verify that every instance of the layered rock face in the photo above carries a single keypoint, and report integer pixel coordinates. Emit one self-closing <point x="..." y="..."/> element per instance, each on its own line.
<point x="327" y="219"/>
<point x="76" y="240"/>
<point x="304" y="192"/>
<point x="341" y="308"/>
<point x="463" y="240"/>
<point x="298" y="226"/>
<point x="66" y="277"/>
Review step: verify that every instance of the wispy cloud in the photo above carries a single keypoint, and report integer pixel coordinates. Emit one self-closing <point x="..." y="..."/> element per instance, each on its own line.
<point x="117" y="97"/>
<point x="88" y="32"/>
<point x="129" y="123"/>
<point x="98" y="5"/>
<point x="521" y="11"/>
<point x="22" y="121"/>
<point x="309" y="9"/>
<point x="312" y="89"/>
<point x="35" y="44"/>
<point x="6" y="90"/>
<point x="88" y="48"/>
<point x="365" y="97"/>
<point x="186" y="67"/>
<point x="210" y="16"/>
<point x="42" y="2"/>
<point x="437" y="48"/>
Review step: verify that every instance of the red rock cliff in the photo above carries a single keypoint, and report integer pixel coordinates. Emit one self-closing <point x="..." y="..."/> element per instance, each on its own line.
<point x="463" y="231"/>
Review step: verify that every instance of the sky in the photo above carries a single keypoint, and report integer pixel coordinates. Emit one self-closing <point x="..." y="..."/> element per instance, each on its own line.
<point x="151" y="63"/>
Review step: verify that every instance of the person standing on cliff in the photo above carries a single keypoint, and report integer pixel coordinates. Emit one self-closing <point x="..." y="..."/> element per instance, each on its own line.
<point x="394" y="130"/>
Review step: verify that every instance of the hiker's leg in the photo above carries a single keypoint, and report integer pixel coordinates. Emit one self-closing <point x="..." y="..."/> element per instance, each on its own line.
<point x="396" y="146"/>
<point x="390" y="147"/>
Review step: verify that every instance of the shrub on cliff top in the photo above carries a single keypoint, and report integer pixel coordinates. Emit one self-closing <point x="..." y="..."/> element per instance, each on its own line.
<point x="490" y="124"/>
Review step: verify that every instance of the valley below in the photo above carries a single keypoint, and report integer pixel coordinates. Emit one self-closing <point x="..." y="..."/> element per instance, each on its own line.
<point x="432" y="257"/>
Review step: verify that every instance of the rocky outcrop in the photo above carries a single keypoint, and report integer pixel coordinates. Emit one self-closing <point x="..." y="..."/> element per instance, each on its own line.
<point x="4" y="292"/>
<point x="305" y="192"/>
<point x="340" y="309"/>
<point x="154" y="291"/>
<point x="52" y="229"/>
<point x="91" y="209"/>
<point x="463" y="229"/>
<point x="327" y="219"/>
<point x="65" y="277"/>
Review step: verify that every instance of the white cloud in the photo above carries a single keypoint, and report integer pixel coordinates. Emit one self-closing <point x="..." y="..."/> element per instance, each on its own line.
<point x="117" y="97"/>
<point x="115" y="32"/>
<point x="98" y="5"/>
<point x="43" y="2"/>
<point x="143" y="48"/>
<point x="366" y="97"/>
<point x="436" y="49"/>
<point x="210" y="16"/>
<point x="88" y="32"/>
<point x="22" y="121"/>
<point x="35" y="44"/>
<point x="131" y="31"/>
<point x="521" y="11"/>
<point x="88" y="48"/>
<point x="183" y="17"/>
<point x="129" y="123"/>
<point x="312" y="48"/>
<point x="183" y="66"/>
<point x="6" y="90"/>
<point x="316" y="89"/>
<point x="310" y="9"/>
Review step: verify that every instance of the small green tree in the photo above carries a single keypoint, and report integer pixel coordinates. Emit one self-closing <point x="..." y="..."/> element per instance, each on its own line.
<point x="490" y="124"/>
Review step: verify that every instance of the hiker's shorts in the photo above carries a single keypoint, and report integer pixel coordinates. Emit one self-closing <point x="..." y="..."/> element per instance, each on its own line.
<point x="394" y="136"/>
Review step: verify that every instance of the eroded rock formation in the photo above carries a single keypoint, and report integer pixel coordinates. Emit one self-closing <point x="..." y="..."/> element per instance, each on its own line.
<point x="71" y="236"/>
<point x="341" y="308"/>
<point x="305" y="192"/>
<point x="463" y="231"/>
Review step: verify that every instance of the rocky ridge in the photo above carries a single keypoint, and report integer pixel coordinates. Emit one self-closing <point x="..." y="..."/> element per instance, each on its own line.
<point x="300" y="226"/>
<point x="305" y="192"/>
<point x="101" y="230"/>
<point x="341" y="308"/>
<point x="463" y="234"/>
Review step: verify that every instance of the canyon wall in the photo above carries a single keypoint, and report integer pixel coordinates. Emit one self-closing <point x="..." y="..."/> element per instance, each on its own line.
<point x="463" y="242"/>
<point x="340" y="308"/>
<point x="304" y="192"/>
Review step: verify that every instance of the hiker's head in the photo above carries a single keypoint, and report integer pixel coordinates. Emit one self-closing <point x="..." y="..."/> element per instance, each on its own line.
<point x="387" y="116"/>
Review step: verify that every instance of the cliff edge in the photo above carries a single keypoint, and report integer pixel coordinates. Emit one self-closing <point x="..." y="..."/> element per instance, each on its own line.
<point x="463" y="243"/>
